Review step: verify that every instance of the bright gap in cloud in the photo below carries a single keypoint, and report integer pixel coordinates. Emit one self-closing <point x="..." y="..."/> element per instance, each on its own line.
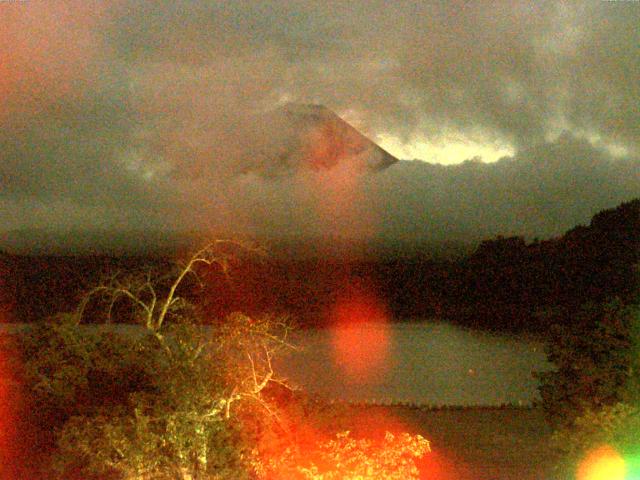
<point x="560" y="126"/>
<point x="616" y="150"/>
<point x="447" y="151"/>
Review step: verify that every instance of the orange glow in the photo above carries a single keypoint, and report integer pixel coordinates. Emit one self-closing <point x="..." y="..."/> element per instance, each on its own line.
<point x="328" y="147"/>
<point x="336" y="178"/>
<point x="366" y="447"/>
<point x="7" y="415"/>
<point x="603" y="463"/>
<point x="48" y="50"/>
<point x="361" y="336"/>
<point x="340" y="203"/>
<point x="437" y="466"/>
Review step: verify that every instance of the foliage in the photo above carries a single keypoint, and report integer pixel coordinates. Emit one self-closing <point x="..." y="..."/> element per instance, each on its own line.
<point x="173" y="429"/>
<point x="156" y="401"/>
<point x="506" y="281"/>
<point x="614" y="426"/>
<point x="138" y="408"/>
<point x="593" y="395"/>
<point x="69" y="370"/>
<point x="596" y="360"/>
<point x="347" y="458"/>
<point x="499" y="287"/>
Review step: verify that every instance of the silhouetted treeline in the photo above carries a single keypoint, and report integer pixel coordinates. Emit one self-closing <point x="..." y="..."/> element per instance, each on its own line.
<point x="39" y="286"/>
<point x="506" y="284"/>
<point x="509" y="284"/>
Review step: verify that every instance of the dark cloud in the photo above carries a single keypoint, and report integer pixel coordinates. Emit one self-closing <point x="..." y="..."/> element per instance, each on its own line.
<point x="541" y="192"/>
<point x="512" y="71"/>
<point x="132" y="114"/>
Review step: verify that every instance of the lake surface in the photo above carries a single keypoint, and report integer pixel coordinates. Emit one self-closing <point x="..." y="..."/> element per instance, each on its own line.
<point x="425" y="363"/>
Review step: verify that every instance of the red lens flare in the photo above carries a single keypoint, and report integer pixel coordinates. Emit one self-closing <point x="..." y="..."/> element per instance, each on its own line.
<point x="8" y="404"/>
<point x="336" y="159"/>
<point x="360" y="336"/>
<point x="355" y="441"/>
<point x="48" y="51"/>
<point x="602" y="463"/>
<point x="438" y="464"/>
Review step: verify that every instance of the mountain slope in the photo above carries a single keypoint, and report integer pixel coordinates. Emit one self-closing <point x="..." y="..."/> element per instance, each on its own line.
<point x="297" y="136"/>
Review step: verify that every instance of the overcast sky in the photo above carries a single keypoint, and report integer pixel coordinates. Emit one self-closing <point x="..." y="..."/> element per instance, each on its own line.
<point x="125" y="114"/>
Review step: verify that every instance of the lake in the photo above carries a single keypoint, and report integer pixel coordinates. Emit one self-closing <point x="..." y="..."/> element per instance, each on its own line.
<point x="426" y="363"/>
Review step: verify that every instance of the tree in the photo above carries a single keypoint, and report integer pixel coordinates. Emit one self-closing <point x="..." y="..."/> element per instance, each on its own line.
<point x="159" y="401"/>
<point x="595" y="360"/>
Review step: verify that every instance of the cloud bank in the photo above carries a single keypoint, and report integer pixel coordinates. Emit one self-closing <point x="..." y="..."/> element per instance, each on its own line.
<point x="150" y="115"/>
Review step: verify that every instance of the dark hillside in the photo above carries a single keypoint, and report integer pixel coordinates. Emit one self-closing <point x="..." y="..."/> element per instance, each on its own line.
<point x="506" y="282"/>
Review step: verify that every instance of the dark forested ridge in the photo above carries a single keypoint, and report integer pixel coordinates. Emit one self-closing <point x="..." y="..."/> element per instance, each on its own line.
<point x="505" y="284"/>
<point x="511" y="284"/>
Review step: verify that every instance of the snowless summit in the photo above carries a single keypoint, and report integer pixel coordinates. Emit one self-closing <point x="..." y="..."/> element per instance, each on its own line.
<point x="312" y="136"/>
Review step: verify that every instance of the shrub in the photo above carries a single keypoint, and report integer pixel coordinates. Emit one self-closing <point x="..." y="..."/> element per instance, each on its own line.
<point x="132" y="408"/>
<point x="614" y="427"/>
<point x="347" y="458"/>
<point x="596" y="360"/>
<point x="592" y="396"/>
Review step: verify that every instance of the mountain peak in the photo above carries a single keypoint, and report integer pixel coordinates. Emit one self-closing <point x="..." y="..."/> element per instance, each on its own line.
<point x="311" y="136"/>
